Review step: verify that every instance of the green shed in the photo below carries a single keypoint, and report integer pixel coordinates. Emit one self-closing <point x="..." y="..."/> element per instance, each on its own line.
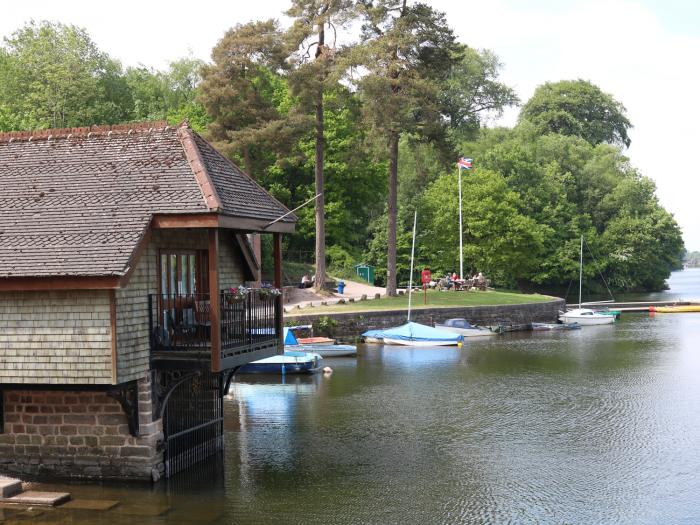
<point x="366" y="272"/>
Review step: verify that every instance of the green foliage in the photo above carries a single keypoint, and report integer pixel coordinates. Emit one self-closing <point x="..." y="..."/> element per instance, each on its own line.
<point x="568" y="186"/>
<point x="472" y="91"/>
<point x="324" y="326"/>
<point x="499" y="240"/>
<point x="340" y="260"/>
<point x="418" y="103"/>
<point x="53" y="75"/>
<point x="577" y="107"/>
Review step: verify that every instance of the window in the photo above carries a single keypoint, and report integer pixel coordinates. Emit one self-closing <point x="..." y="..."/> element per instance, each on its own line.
<point x="184" y="272"/>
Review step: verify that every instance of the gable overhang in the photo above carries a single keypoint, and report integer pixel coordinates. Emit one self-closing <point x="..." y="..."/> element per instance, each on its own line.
<point x="39" y="284"/>
<point x="215" y="220"/>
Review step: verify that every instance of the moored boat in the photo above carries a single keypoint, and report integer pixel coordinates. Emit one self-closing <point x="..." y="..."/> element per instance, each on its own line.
<point x="328" y="349"/>
<point x="540" y="327"/>
<point x="373" y="337"/>
<point x="291" y="362"/>
<point x="464" y="328"/>
<point x="415" y="334"/>
<point x="323" y="341"/>
<point x="503" y="328"/>
<point x="586" y="317"/>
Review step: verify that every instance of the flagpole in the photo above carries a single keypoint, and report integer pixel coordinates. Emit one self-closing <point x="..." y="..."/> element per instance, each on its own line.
<point x="461" y="252"/>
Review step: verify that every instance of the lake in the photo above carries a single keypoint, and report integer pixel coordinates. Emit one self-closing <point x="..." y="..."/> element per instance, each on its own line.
<point x="599" y="425"/>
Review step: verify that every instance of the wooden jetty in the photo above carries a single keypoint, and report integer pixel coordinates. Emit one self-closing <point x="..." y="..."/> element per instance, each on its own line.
<point x="631" y="306"/>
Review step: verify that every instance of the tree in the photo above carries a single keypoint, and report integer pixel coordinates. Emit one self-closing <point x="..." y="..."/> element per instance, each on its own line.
<point x="241" y="92"/>
<point x="577" y="107"/>
<point x="53" y="75"/>
<point x="168" y="95"/>
<point x="309" y="81"/>
<point x="472" y="90"/>
<point x="500" y="240"/>
<point x="407" y="52"/>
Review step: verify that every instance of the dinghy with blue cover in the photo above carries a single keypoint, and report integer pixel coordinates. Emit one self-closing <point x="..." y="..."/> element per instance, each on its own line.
<point x="415" y="334"/>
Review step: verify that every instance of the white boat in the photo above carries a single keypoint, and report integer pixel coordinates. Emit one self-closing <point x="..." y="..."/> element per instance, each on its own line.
<point x="586" y="317"/>
<point x="327" y="350"/>
<point x="322" y="346"/>
<point x="290" y="362"/>
<point x="464" y="328"/>
<point x="416" y="342"/>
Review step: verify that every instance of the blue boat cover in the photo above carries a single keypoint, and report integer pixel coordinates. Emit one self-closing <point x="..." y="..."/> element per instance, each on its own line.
<point x="289" y="338"/>
<point x="415" y="332"/>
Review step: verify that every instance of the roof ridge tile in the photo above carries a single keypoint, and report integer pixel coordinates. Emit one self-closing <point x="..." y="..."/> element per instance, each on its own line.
<point x="54" y="133"/>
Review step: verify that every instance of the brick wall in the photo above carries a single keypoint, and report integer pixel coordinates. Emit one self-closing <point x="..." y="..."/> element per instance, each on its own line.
<point x="77" y="434"/>
<point x="60" y="337"/>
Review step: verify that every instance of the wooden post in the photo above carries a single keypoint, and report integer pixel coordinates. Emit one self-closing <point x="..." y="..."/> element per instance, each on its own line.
<point x="214" y="300"/>
<point x="279" y="309"/>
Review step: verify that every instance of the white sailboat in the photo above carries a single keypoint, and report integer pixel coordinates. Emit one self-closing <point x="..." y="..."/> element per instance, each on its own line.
<point x="584" y="316"/>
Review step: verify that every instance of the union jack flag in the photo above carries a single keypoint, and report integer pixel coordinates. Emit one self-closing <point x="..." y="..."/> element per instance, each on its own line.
<point x="464" y="163"/>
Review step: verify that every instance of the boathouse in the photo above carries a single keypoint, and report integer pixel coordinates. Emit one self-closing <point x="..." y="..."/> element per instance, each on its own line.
<point x="122" y="318"/>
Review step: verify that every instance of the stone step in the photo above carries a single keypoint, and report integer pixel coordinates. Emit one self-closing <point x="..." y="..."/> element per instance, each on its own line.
<point x="34" y="497"/>
<point x="9" y="487"/>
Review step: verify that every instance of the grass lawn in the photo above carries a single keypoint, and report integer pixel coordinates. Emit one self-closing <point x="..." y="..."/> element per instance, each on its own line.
<point x="435" y="300"/>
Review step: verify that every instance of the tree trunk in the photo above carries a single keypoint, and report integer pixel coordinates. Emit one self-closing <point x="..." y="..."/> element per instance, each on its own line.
<point x="248" y="161"/>
<point x="320" y="226"/>
<point x="320" y="201"/>
<point x="391" y="227"/>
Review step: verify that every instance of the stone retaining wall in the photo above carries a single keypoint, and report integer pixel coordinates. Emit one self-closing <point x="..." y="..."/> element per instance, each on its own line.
<point x="77" y="434"/>
<point x="351" y="325"/>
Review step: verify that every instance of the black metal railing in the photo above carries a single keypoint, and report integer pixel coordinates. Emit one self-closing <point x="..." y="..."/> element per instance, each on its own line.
<point x="180" y="322"/>
<point x="183" y="322"/>
<point x="247" y="320"/>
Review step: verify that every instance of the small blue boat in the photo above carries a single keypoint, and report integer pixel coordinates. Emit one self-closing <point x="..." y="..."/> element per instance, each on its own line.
<point x="290" y="362"/>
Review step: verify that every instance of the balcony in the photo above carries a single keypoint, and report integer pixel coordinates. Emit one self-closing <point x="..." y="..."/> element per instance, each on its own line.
<point x="189" y="330"/>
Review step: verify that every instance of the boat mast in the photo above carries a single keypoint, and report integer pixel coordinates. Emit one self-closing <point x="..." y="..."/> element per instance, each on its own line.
<point x="410" y="277"/>
<point x="580" y="273"/>
<point x="461" y="252"/>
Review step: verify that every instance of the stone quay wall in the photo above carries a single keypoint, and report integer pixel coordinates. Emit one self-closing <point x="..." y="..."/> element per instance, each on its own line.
<point x="352" y="324"/>
<point x="78" y="434"/>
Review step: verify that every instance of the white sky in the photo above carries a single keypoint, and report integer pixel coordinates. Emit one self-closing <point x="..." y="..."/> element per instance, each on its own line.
<point x="643" y="52"/>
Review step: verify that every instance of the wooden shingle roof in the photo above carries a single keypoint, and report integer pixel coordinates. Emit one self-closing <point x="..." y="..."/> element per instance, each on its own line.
<point x="78" y="202"/>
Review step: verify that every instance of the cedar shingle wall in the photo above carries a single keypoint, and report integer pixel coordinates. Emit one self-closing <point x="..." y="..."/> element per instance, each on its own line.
<point x="60" y="337"/>
<point x="230" y="262"/>
<point x="133" y="345"/>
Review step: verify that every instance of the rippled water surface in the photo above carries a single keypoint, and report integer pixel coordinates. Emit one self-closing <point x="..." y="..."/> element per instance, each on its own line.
<point x="599" y="425"/>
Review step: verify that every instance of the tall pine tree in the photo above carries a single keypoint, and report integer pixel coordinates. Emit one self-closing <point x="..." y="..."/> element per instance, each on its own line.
<point x="408" y="52"/>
